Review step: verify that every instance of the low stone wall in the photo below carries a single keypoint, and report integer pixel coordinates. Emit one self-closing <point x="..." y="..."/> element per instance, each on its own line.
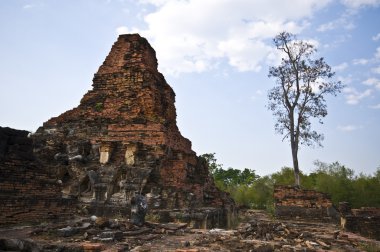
<point x="365" y="221"/>
<point x="27" y="193"/>
<point x="199" y="218"/>
<point x="292" y="202"/>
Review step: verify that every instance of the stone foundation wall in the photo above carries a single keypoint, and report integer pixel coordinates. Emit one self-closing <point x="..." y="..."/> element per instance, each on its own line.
<point x="365" y="221"/>
<point x="292" y="202"/>
<point x="27" y="192"/>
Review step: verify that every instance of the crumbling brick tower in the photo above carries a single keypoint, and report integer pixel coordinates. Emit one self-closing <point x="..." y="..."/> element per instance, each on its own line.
<point x="123" y="139"/>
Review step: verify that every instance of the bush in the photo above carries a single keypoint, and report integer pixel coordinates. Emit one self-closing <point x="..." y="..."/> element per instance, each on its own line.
<point x="340" y="182"/>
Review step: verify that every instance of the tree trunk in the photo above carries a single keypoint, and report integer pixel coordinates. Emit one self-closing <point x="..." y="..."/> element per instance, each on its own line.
<point x="294" y="146"/>
<point x="295" y="164"/>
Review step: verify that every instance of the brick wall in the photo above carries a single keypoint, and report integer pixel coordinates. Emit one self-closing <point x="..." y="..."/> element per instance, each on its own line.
<point x="27" y="192"/>
<point x="292" y="202"/>
<point x="365" y="220"/>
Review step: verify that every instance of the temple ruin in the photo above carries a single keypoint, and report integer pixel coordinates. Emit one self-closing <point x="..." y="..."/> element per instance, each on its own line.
<point x="123" y="140"/>
<point x="122" y="144"/>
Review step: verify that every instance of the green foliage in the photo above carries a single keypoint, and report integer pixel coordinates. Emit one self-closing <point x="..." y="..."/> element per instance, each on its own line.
<point x="235" y="177"/>
<point x="340" y="182"/>
<point x="334" y="179"/>
<point x="210" y="159"/>
<point x="244" y="186"/>
<point x="286" y="177"/>
<point x="263" y="193"/>
<point x="99" y="106"/>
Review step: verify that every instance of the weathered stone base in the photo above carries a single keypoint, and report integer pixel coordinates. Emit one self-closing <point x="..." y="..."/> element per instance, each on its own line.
<point x="368" y="226"/>
<point x="34" y="209"/>
<point x="292" y="202"/>
<point x="365" y="221"/>
<point x="204" y="218"/>
<point x="27" y="192"/>
<point x="297" y="212"/>
<point x="108" y="210"/>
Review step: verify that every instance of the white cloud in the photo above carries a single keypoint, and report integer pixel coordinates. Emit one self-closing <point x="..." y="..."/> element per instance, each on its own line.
<point x="345" y="79"/>
<point x="347" y="128"/>
<point x="259" y="92"/>
<point x="340" y="67"/>
<point x="237" y="50"/>
<point x="327" y="26"/>
<point x="345" y="22"/>
<point x="28" y="6"/>
<point x="122" y="30"/>
<point x="376" y="70"/>
<point x="372" y="82"/>
<point x="360" y="61"/>
<point x="372" y="61"/>
<point x="376" y="37"/>
<point x="377" y="106"/>
<point x="355" y="4"/>
<point x="155" y="2"/>
<point x="353" y="96"/>
<point x="377" y="53"/>
<point x="346" y="19"/>
<point x="340" y="39"/>
<point x="195" y="35"/>
<point x="125" y="30"/>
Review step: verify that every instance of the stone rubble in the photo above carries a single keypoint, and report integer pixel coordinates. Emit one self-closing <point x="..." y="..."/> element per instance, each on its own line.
<point x="256" y="232"/>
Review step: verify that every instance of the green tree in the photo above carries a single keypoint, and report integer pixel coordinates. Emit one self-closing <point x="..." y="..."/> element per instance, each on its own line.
<point x="299" y="93"/>
<point x="336" y="180"/>
<point x="366" y="191"/>
<point x="235" y="181"/>
<point x="263" y="193"/>
<point x="286" y="177"/>
<point x="210" y="160"/>
<point x="235" y="177"/>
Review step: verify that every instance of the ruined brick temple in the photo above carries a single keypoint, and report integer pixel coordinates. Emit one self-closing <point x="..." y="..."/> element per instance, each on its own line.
<point x="123" y="140"/>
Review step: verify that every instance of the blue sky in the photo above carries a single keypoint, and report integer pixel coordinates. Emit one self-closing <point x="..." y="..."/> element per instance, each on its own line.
<point x="215" y="54"/>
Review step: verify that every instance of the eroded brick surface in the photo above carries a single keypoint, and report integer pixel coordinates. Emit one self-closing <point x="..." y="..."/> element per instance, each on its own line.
<point x="292" y="202"/>
<point x="27" y="192"/>
<point x="123" y="138"/>
<point x="365" y="220"/>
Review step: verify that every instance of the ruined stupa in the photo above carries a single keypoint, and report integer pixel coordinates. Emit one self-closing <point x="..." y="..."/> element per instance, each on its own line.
<point x="123" y="140"/>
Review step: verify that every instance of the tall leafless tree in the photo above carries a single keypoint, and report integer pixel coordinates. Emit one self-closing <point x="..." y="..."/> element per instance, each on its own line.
<point x="299" y="94"/>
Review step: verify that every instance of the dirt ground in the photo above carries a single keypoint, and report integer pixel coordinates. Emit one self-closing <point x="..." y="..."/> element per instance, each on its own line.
<point x="257" y="231"/>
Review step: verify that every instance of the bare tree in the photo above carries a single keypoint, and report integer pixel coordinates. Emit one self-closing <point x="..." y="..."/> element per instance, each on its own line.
<point x="299" y="93"/>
